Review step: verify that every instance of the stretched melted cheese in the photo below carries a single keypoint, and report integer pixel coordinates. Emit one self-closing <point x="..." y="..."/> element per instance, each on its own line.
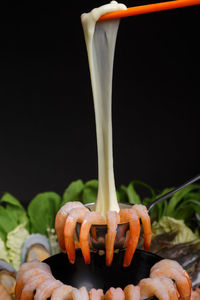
<point x="100" y="40"/>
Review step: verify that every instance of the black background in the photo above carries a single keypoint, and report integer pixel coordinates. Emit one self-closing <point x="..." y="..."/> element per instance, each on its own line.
<point x="47" y="129"/>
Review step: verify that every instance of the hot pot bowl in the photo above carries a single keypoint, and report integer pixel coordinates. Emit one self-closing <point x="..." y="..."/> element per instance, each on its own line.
<point x="97" y="275"/>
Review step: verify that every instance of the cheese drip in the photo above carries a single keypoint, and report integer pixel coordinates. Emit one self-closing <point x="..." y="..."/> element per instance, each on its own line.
<point x="100" y="40"/>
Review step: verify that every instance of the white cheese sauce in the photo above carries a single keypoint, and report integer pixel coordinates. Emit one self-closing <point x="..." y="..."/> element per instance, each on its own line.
<point x="100" y="40"/>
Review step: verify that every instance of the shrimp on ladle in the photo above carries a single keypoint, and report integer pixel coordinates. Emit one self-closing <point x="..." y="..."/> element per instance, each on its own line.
<point x="89" y="219"/>
<point x="75" y="215"/>
<point x="130" y="216"/>
<point x="60" y="219"/>
<point x="142" y="213"/>
<point x="112" y="219"/>
<point x="73" y="212"/>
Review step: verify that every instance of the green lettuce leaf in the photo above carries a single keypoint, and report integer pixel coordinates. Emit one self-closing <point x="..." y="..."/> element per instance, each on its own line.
<point x="3" y="251"/>
<point x="12" y="212"/>
<point x="73" y="192"/>
<point x="168" y="224"/>
<point x="42" y="211"/>
<point x="15" y="241"/>
<point x="89" y="193"/>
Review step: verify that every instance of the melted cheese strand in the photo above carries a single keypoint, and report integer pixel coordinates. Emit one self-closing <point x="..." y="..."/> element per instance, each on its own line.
<point x="100" y="40"/>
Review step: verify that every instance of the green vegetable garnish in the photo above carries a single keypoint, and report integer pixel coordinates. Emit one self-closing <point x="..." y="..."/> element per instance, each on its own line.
<point x="42" y="211"/>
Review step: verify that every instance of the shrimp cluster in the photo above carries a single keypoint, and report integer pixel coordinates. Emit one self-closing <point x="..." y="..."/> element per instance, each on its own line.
<point x="73" y="212"/>
<point x="35" y="281"/>
<point x="168" y="281"/>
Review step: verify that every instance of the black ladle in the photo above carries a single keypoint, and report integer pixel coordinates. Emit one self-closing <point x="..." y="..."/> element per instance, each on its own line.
<point x="167" y="195"/>
<point x="98" y="243"/>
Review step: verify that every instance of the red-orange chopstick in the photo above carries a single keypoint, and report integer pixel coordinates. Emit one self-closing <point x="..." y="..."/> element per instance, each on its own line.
<point x="149" y="8"/>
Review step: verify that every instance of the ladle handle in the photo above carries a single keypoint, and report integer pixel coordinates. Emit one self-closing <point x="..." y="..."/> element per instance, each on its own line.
<point x="173" y="192"/>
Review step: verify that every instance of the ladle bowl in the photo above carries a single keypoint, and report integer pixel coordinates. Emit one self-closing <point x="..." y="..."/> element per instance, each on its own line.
<point x="97" y="274"/>
<point x="98" y="232"/>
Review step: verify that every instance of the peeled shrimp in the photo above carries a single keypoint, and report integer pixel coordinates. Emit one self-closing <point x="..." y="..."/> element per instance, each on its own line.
<point x="60" y="219"/>
<point x="84" y="293"/>
<point x="76" y="214"/>
<point x="62" y="293"/>
<point x="173" y="264"/>
<point x="89" y="219"/>
<point x="179" y="277"/>
<point x="46" y="288"/>
<point x="114" y="294"/>
<point x="80" y="294"/>
<point x="22" y="274"/>
<point x="153" y="287"/>
<point x="32" y="284"/>
<point x="142" y="213"/>
<point x="172" y="290"/>
<point x="96" y="294"/>
<point x="130" y="215"/>
<point x="132" y="292"/>
<point x="112" y="220"/>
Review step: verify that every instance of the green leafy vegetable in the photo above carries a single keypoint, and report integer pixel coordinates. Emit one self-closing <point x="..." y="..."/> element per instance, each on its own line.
<point x="3" y="251"/>
<point x="15" y="241"/>
<point x="42" y="211"/>
<point x="89" y="193"/>
<point x="12" y="214"/>
<point x="168" y="224"/>
<point x="73" y="192"/>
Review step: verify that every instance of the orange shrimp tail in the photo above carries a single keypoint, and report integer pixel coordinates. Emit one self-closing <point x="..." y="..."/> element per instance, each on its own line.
<point x="130" y="215"/>
<point x="70" y="249"/>
<point x="112" y="218"/>
<point x="143" y="214"/>
<point x="109" y="239"/>
<point x="85" y="251"/>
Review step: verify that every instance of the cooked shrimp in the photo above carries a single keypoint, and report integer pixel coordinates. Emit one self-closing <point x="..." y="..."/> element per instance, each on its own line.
<point x="60" y="219"/>
<point x="153" y="287"/>
<point x="76" y="214"/>
<point x="130" y="215"/>
<point x="4" y="294"/>
<point x="179" y="277"/>
<point x="84" y="293"/>
<point x="89" y="219"/>
<point x="173" y="264"/>
<point x="171" y="287"/>
<point x="132" y="292"/>
<point x="32" y="284"/>
<point x="96" y="294"/>
<point x="112" y="220"/>
<point x="146" y="222"/>
<point x="22" y="274"/>
<point x="114" y="294"/>
<point x="62" y="293"/>
<point x="76" y="294"/>
<point x="46" y="288"/>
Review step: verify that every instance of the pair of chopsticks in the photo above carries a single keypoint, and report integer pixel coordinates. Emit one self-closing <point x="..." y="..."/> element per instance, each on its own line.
<point x="149" y="8"/>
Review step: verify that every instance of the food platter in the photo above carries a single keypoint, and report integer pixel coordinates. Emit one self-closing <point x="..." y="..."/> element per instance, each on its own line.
<point x="97" y="275"/>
